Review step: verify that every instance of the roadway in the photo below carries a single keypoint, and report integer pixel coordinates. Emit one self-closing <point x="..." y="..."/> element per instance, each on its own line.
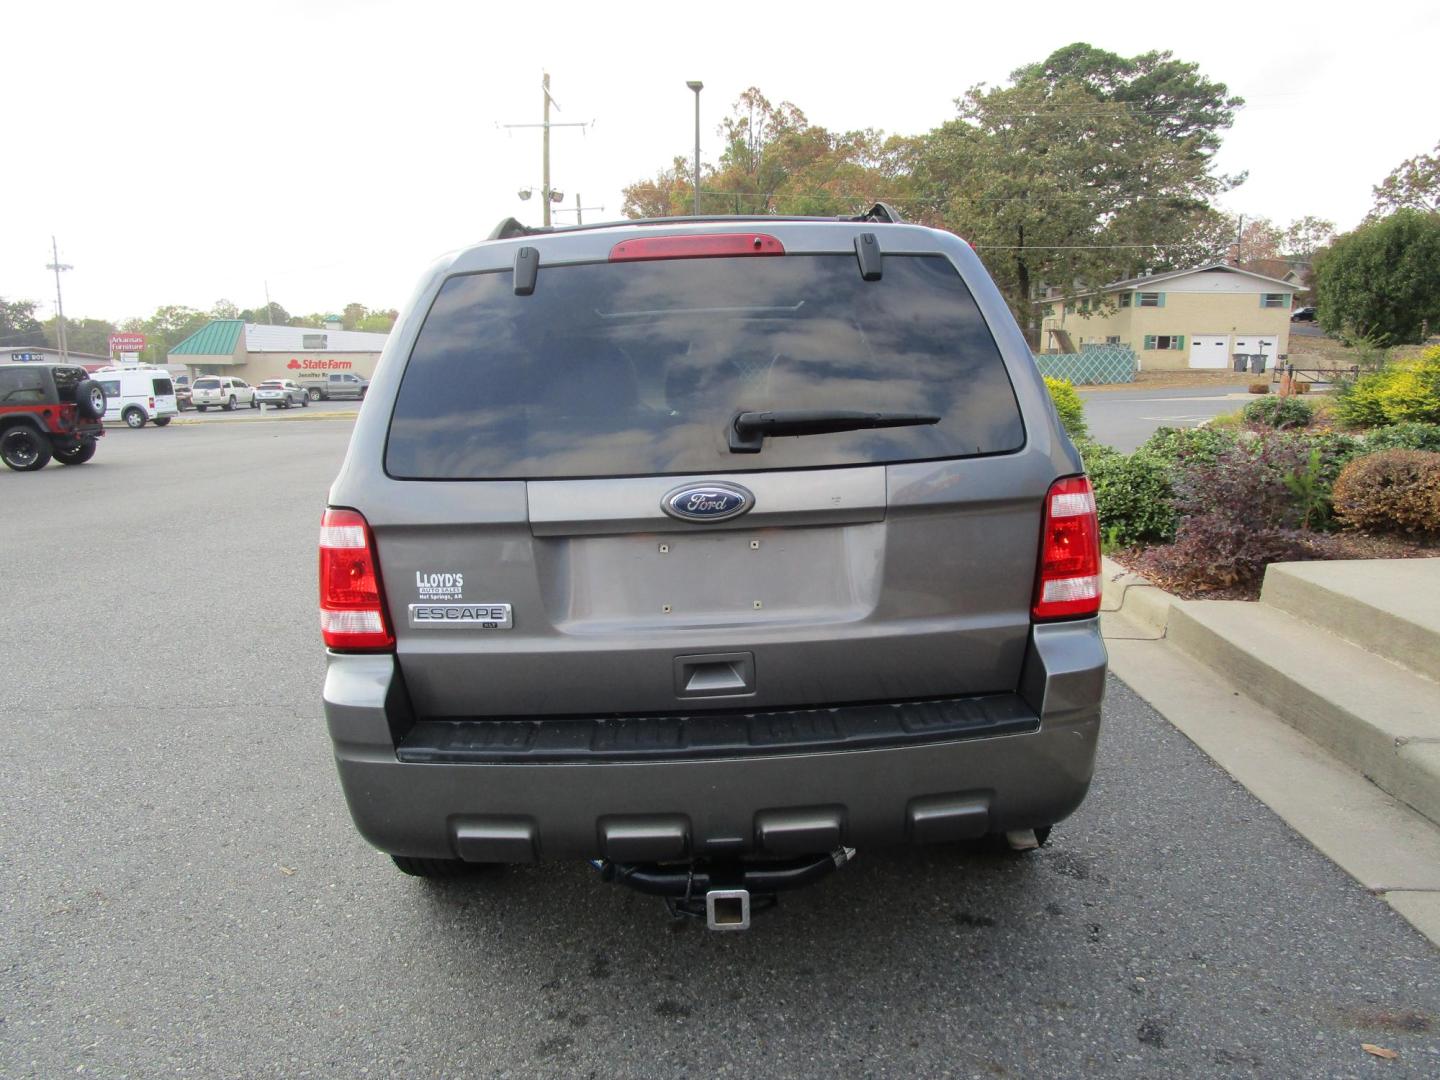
<point x="185" y="894"/>
<point x="1126" y="418"/>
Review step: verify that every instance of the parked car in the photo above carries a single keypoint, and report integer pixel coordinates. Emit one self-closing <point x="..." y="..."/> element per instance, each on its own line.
<point x="1304" y="314"/>
<point x="223" y="391"/>
<point x="182" y="393"/>
<point x="337" y="384"/>
<point x="281" y="393"/>
<point x="709" y="551"/>
<point x="48" y="410"/>
<point x="138" y="395"/>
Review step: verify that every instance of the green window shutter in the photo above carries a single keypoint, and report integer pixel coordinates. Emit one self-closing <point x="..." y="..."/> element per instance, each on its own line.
<point x="1180" y="341"/>
<point x="1162" y="300"/>
<point x="1149" y="341"/>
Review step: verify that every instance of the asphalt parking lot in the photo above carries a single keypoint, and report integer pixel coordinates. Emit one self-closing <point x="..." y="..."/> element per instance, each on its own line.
<point x="184" y="894"/>
<point x="1126" y="418"/>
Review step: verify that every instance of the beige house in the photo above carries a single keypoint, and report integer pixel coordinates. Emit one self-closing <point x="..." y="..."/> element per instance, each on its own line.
<point x="255" y="352"/>
<point x="1182" y="319"/>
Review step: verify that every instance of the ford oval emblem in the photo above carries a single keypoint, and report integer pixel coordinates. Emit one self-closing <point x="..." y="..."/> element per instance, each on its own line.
<point x="707" y="502"/>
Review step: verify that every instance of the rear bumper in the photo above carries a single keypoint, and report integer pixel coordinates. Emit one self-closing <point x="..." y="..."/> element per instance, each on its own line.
<point x="674" y="808"/>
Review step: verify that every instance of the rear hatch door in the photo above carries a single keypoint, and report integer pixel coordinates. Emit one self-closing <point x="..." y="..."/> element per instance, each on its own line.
<point x="581" y="536"/>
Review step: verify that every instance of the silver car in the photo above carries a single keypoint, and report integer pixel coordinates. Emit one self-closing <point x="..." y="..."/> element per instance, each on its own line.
<point x="709" y="551"/>
<point x="281" y="394"/>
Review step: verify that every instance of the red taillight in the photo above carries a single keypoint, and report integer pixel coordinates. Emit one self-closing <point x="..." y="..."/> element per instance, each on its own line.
<point x="352" y="604"/>
<point x="703" y="246"/>
<point x="1067" y="584"/>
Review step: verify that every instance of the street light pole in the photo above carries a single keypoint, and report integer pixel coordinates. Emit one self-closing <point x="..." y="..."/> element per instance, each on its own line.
<point x="57" y="266"/>
<point x="697" y="86"/>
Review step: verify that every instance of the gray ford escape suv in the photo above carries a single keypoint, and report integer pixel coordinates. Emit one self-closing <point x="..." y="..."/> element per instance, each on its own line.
<point x="708" y="550"/>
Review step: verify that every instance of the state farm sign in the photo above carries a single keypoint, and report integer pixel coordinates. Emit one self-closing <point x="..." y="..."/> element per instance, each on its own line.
<point x="308" y="364"/>
<point x="127" y="343"/>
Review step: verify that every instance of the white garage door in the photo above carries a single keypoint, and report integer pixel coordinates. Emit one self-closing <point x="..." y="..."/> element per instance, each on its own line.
<point x="1209" y="351"/>
<point x="1258" y="343"/>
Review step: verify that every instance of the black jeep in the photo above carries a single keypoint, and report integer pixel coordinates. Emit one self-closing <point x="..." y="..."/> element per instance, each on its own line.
<point x="48" y="410"/>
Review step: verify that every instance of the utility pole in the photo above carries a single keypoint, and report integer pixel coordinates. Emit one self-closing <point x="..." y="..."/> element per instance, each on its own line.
<point x="1239" y="237"/>
<point x="578" y="210"/>
<point x="57" y="266"/>
<point x="545" y="168"/>
<point x="547" y="194"/>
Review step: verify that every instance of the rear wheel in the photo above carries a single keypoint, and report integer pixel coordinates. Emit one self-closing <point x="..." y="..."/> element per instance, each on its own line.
<point x="438" y="868"/>
<point x="24" y="449"/>
<point x="254" y="404"/>
<point x="313" y="394"/>
<point x="201" y="408"/>
<point x="134" y="417"/>
<point x="161" y="421"/>
<point x="305" y="401"/>
<point x="229" y="406"/>
<point x="77" y="455"/>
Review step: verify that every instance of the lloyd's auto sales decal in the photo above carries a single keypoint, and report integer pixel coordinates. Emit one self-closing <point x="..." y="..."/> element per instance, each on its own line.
<point x="444" y="586"/>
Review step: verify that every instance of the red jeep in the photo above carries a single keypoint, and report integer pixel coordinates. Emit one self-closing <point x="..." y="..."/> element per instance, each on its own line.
<point x="48" y="410"/>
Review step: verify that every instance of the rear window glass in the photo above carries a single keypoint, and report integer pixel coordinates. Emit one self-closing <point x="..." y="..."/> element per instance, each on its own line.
<point x="206" y="384"/>
<point x="20" y="386"/>
<point x="164" y="386"/>
<point x="615" y="369"/>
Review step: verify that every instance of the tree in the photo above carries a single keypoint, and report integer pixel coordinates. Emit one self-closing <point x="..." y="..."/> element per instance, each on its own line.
<point x="1304" y="236"/>
<point x="1382" y="281"/>
<point x="378" y="322"/>
<point x="18" y="325"/>
<point x="224" y="309"/>
<point x="352" y="315"/>
<point x="81" y="335"/>
<point x="271" y="315"/>
<point x="1088" y="168"/>
<point x="1259" y="239"/>
<point x="1413" y="184"/>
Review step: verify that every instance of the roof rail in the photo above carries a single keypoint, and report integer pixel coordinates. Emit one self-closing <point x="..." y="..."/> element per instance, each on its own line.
<point x="510" y="229"/>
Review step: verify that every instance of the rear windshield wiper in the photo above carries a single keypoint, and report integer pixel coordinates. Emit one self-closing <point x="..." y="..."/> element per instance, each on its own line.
<point x="749" y="428"/>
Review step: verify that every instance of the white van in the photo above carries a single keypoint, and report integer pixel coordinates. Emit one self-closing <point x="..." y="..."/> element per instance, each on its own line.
<point x="138" y="395"/>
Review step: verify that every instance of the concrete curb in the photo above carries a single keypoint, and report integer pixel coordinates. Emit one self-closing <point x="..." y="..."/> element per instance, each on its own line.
<point x="289" y="417"/>
<point x="1210" y="694"/>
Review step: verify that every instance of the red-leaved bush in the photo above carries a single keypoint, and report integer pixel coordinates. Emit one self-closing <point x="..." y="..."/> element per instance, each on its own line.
<point x="1237" y="515"/>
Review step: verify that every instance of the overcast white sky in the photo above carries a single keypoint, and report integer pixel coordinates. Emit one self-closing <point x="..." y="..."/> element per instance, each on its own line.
<point x="187" y="152"/>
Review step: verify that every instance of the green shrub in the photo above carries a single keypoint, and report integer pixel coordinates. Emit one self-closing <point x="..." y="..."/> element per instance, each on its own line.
<point x="1392" y="491"/>
<point x="1412" y="436"/>
<point x="1279" y="412"/>
<point x="1068" y="405"/>
<point x="1203" y="444"/>
<point x="1406" y="391"/>
<point x="1132" y="497"/>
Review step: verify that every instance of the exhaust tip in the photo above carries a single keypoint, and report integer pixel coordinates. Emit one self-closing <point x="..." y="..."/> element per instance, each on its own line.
<point x="727" y="909"/>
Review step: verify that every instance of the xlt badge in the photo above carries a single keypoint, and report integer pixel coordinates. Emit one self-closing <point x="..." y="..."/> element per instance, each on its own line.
<point x="468" y="616"/>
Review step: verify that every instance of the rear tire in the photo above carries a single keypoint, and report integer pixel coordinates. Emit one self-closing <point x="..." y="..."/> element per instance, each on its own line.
<point x="254" y="404"/>
<point x="161" y="421"/>
<point x="229" y="406"/>
<point x="79" y="455"/>
<point x="313" y="394"/>
<point x="24" y="449"/>
<point x="305" y="402"/>
<point x="201" y="408"/>
<point x="437" y="869"/>
<point x="134" y="417"/>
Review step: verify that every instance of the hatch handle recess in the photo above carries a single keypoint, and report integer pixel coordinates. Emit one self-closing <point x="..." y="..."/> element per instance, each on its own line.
<point x="715" y="674"/>
<point x="527" y="265"/>
<point x="867" y="250"/>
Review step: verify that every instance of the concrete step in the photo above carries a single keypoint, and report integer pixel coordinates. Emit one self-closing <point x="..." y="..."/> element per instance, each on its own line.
<point x="1379" y="717"/>
<point x="1390" y="607"/>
